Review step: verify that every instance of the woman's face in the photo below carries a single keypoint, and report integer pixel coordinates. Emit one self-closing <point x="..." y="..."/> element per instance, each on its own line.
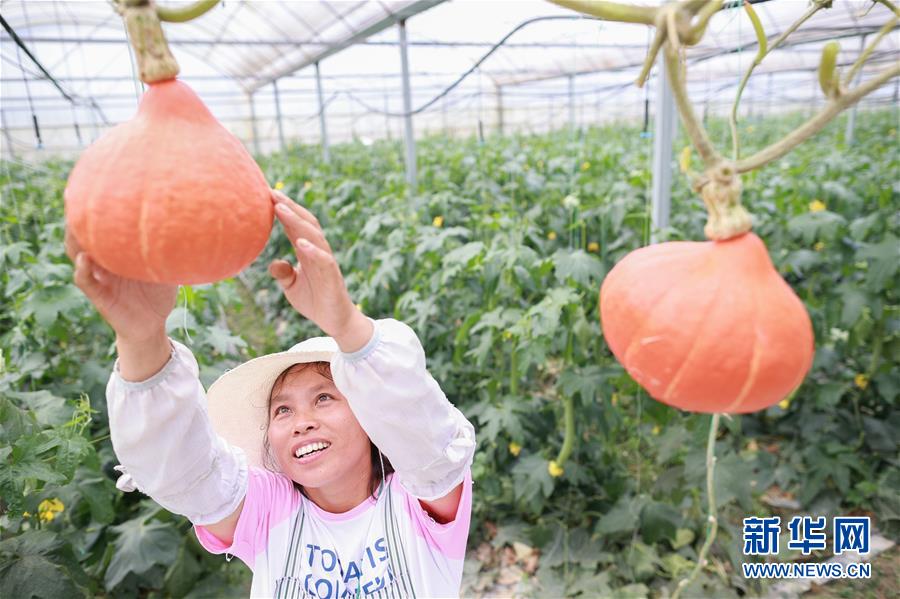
<point x="307" y="408"/>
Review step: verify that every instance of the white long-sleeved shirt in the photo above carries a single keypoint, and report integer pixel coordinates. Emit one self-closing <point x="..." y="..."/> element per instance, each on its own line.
<point x="160" y="431"/>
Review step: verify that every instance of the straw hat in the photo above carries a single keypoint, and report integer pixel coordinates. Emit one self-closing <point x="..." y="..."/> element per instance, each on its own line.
<point x="238" y="401"/>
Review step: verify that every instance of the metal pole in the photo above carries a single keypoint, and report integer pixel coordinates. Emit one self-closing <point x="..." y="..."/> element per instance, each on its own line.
<point x="407" y="109"/>
<point x="9" y="141"/>
<point x="663" y="134"/>
<point x="572" y="102"/>
<point x="326" y="155"/>
<point x="278" y="115"/>
<point x="253" y="122"/>
<point x="387" y="117"/>
<point x="500" y="109"/>
<point x="851" y="120"/>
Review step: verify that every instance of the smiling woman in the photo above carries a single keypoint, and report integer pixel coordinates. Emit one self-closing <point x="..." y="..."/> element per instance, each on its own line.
<point x="335" y="468"/>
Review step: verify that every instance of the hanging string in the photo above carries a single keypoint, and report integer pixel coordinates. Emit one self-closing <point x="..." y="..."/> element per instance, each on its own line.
<point x="184" y="313"/>
<point x="68" y="69"/>
<point x="34" y="119"/>
<point x="646" y="130"/>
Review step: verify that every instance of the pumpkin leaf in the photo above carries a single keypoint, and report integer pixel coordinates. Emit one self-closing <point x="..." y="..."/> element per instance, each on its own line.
<point x="139" y="546"/>
<point x="583" y="268"/>
<point x="883" y="261"/>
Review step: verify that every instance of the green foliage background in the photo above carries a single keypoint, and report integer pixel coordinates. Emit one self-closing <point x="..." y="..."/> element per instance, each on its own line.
<point x="504" y="296"/>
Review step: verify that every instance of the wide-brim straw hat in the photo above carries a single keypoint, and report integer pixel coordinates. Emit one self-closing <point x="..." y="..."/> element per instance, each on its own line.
<point x="238" y="401"/>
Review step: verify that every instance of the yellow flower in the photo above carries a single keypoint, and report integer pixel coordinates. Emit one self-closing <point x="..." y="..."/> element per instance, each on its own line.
<point x="515" y="448"/>
<point x="819" y="246"/>
<point x="555" y="469"/>
<point x="585" y="166"/>
<point x="551" y="235"/>
<point x="750" y="129"/>
<point x="861" y="380"/>
<point x="279" y="185"/>
<point x="753" y="445"/>
<point x="359" y="307"/>
<point x="593" y="246"/>
<point x="48" y="509"/>
<point x="438" y="221"/>
<point x="507" y="335"/>
<point x="684" y="159"/>
<point x="307" y="185"/>
<point x="784" y="403"/>
<point x="614" y="400"/>
<point x="26" y="514"/>
<point x="655" y="430"/>
<point x="816" y="206"/>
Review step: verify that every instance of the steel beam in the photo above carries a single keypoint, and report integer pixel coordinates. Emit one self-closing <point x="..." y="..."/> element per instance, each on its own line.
<point x="409" y="137"/>
<point x="663" y="134"/>
<point x="326" y="154"/>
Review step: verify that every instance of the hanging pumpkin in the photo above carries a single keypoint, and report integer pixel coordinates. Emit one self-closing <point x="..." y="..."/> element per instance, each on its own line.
<point x="707" y="326"/>
<point x="169" y="196"/>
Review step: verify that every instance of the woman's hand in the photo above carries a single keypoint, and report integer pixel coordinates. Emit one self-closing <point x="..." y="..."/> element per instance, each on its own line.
<point x="136" y="311"/>
<point x="315" y="287"/>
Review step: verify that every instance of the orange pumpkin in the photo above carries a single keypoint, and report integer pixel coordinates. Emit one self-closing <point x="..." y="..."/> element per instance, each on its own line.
<point x="170" y="196"/>
<point x="707" y="326"/>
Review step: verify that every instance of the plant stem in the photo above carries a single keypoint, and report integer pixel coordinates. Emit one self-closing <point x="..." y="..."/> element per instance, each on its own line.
<point x="816" y="123"/>
<point x="692" y="125"/>
<point x="848" y="78"/>
<point x="712" y="523"/>
<point x="185" y="13"/>
<point x="761" y="54"/>
<point x="612" y="11"/>
<point x="569" y="435"/>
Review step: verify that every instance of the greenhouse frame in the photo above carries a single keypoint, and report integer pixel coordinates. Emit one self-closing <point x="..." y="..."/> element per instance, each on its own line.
<point x="647" y="252"/>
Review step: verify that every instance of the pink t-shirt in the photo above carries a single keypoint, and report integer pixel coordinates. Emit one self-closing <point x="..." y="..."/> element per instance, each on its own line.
<point x="389" y="547"/>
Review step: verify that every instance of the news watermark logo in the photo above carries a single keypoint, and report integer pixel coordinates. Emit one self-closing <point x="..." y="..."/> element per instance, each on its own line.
<point x="850" y="535"/>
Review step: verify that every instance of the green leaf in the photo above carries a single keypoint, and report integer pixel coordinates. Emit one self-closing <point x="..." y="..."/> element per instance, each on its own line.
<point x="683" y="537"/>
<point x="623" y="517"/>
<point x="140" y="546"/>
<point x="222" y="341"/>
<point x="580" y="266"/>
<point x="36" y="577"/>
<point x="884" y="260"/>
<point x="852" y="302"/>
<point x="813" y="226"/>
<point x="98" y="492"/>
<point x="532" y="477"/>
<point x="183" y="573"/>
<point x="31" y="542"/>
<point x="659" y="521"/>
<point x="49" y="409"/>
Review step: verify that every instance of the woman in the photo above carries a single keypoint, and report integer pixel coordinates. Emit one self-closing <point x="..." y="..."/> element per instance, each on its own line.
<point x="281" y="462"/>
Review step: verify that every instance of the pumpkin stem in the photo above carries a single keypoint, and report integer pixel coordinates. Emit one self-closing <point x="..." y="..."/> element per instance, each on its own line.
<point x="154" y="59"/>
<point x="720" y="189"/>
<point x="712" y="522"/>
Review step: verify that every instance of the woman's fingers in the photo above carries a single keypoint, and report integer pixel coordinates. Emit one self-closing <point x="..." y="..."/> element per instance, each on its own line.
<point x="85" y="275"/>
<point x="283" y="272"/>
<point x="280" y="198"/>
<point x="297" y="227"/>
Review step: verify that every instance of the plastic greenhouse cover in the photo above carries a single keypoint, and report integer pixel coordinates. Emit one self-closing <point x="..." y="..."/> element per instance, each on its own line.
<point x="241" y="46"/>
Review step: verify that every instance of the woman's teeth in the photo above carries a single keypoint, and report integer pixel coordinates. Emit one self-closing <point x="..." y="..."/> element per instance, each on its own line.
<point x="307" y="449"/>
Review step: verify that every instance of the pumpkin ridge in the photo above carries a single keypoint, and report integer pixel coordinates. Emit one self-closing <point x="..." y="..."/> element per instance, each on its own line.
<point x="680" y="372"/>
<point x="753" y="373"/>
<point x="638" y="330"/>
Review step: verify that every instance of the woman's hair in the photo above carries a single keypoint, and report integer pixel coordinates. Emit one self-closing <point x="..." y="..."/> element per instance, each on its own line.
<point x="323" y="368"/>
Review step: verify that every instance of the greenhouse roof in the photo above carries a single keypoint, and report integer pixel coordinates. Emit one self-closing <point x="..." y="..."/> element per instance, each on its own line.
<point x="233" y="54"/>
